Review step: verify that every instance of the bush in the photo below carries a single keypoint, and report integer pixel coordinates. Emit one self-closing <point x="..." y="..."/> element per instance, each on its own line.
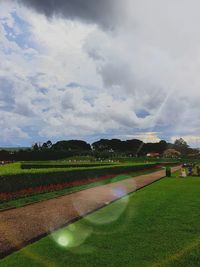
<point x="15" y="182"/>
<point x="168" y="172"/>
<point x="26" y="166"/>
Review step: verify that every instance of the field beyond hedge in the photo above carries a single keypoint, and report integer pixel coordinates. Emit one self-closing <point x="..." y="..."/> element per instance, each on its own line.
<point x="158" y="226"/>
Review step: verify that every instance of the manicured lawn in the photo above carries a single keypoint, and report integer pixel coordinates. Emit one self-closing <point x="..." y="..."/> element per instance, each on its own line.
<point x="156" y="226"/>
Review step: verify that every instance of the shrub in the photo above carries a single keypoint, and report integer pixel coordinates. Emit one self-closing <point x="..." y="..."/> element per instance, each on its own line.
<point x="26" y="166"/>
<point x="15" y="182"/>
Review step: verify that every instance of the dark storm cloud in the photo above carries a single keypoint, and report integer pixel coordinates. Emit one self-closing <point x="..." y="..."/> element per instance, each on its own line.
<point x="103" y="12"/>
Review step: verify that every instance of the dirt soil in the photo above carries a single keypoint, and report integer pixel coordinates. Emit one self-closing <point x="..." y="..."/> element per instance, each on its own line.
<point x="21" y="226"/>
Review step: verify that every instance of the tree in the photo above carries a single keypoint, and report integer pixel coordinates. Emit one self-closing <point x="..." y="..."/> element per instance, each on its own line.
<point x="181" y="146"/>
<point x="35" y="147"/>
<point x="47" y="145"/>
<point x="71" y="145"/>
<point x="181" y="143"/>
<point x="133" y="146"/>
<point x="116" y="145"/>
<point x="162" y="146"/>
<point x="159" y="147"/>
<point x="102" y="145"/>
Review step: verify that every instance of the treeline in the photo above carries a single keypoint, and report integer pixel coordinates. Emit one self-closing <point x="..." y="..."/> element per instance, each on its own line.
<point x="103" y="148"/>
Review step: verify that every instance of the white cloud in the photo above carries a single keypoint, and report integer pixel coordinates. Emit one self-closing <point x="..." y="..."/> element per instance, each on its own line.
<point x="150" y="62"/>
<point x="146" y="137"/>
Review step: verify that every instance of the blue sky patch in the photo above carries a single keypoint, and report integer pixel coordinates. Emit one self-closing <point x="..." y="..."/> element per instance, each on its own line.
<point x="20" y="33"/>
<point x="142" y="113"/>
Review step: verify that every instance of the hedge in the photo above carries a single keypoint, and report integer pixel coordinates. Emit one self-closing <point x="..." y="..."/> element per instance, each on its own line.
<point x="13" y="183"/>
<point x="26" y="166"/>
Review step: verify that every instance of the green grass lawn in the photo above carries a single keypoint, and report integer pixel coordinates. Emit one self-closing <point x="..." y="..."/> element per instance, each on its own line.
<point x="157" y="226"/>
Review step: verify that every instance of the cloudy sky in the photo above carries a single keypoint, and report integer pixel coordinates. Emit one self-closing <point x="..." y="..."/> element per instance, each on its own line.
<point x="90" y="69"/>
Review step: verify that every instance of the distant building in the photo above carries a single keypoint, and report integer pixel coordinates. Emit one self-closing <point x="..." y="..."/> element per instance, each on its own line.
<point x="153" y="155"/>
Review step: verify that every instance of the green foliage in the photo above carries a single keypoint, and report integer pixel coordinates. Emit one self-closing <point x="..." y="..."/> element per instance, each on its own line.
<point x="168" y="172"/>
<point x="12" y="168"/>
<point x="21" y="201"/>
<point x="182" y="146"/>
<point x="71" y="145"/>
<point x="48" y="165"/>
<point x="21" y="179"/>
<point x="181" y="143"/>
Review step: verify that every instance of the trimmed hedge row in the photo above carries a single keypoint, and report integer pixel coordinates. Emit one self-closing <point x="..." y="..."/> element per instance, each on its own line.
<point x="165" y="164"/>
<point x="27" y="166"/>
<point x="13" y="183"/>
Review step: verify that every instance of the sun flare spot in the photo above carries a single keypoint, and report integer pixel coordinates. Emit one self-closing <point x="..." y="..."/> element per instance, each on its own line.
<point x="63" y="241"/>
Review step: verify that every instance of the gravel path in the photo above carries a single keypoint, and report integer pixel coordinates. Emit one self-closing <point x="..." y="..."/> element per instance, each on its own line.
<point x="21" y="226"/>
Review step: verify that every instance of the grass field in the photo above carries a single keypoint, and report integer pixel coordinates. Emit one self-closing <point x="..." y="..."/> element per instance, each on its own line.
<point x="156" y="226"/>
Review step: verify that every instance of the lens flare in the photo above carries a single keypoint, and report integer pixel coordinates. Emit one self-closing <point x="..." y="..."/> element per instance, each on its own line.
<point x="72" y="236"/>
<point x="119" y="191"/>
<point x="86" y="202"/>
<point x="63" y="241"/>
<point x="110" y="214"/>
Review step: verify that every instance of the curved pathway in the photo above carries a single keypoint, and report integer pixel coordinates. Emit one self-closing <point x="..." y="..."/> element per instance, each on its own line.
<point x="21" y="226"/>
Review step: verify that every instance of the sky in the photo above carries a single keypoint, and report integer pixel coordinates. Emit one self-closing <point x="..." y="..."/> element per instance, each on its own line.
<point x="74" y="69"/>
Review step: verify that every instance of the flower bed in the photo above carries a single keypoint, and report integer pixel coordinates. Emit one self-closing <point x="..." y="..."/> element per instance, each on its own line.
<point x="50" y="187"/>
